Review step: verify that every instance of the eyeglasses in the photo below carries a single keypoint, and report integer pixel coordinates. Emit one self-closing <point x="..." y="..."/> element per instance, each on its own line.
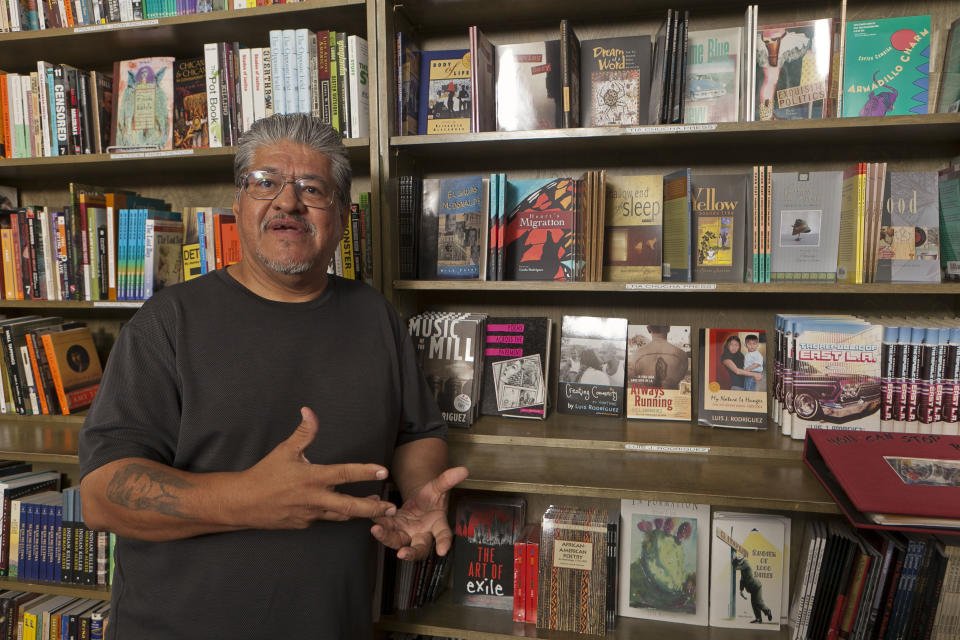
<point x="267" y="185"/>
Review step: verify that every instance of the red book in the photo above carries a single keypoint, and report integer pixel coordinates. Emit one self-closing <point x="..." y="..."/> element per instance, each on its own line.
<point x="226" y="239"/>
<point x="532" y="543"/>
<point x="897" y="481"/>
<point x="519" y="580"/>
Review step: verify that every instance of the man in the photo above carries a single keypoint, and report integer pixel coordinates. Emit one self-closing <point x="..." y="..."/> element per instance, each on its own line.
<point x="233" y="520"/>
<point x="752" y="586"/>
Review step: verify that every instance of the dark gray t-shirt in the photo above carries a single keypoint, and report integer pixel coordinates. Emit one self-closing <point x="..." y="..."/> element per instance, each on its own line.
<point x="208" y="376"/>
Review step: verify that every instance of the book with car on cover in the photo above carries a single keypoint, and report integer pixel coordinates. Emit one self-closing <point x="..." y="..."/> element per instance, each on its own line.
<point x="592" y="355"/>
<point x="792" y="63"/>
<point x="633" y="231"/>
<point x="664" y="561"/>
<point x="516" y="364"/>
<point x="733" y="378"/>
<point x="540" y="230"/>
<point x="713" y="76"/>
<point x="444" y="92"/>
<point x="615" y="81"/>
<point x="485" y="530"/>
<point x="805" y="225"/>
<point x="143" y="117"/>
<point x="659" y="374"/>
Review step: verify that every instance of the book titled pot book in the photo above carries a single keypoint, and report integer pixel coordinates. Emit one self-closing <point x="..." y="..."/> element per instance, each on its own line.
<point x="658" y="372"/>
<point x="516" y="359"/>
<point x="733" y="378"/>
<point x="591" y="375"/>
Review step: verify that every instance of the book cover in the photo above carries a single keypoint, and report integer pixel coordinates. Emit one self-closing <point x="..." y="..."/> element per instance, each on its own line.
<point x="485" y="530"/>
<point x="909" y="249"/>
<point x="540" y="230"/>
<point x="460" y="228"/>
<point x="427" y="225"/>
<point x="190" y="105"/>
<point x="850" y="247"/>
<point x="75" y="367"/>
<point x="144" y="112"/>
<point x="806" y="225"/>
<point x="948" y="94"/>
<point x="733" y="379"/>
<point x="659" y="372"/>
<point x="572" y="590"/>
<point x="948" y="190"/>
<point x="664" y="561"/>
<point x="748" y="565"/>
<point x="444" y="92"/>
<point x="792" y="63"/>
<point x="591" y="374"/>
<point x="712" y="92"/>
<point x="516" y="362"/>
<point x="615" y="81"/>
<point x="633" y="233"/>
<point x="886" y="67"/>
<point x="720" y="205"/>
<point x="529" y="86"/>
<point x="677" y="224"/>
<point x="408" y="81"/>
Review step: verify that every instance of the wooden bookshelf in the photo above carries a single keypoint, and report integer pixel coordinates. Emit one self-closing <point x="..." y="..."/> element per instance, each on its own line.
<point x="47" y="439"/>
<point x="692" y="288"/>
<point x="72" y="590"/>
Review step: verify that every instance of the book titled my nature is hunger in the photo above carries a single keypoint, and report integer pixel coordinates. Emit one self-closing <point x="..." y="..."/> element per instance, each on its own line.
<point x="733" y="379"/>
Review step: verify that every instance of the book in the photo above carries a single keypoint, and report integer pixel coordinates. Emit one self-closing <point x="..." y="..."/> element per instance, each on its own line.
<point x="720" y="212"/>
<point x="444" y="92"/>
<point x="665" y="561"/>
<point x="948" y="191"/>
<point x="886" y="68"/>
<point x="529" y="86"/>
<point x="792" y="66"/>
<point x="733" y="387"/>
<point x="805" y="225"/>
<point x="74" y="366"/>
<point x="591" y="373"/>
<point x="486" y="528"/>
<point x="677" y="225"/>
<point x="659" y="372"/>
<point x="143" y="89"/>
<point x="408" y="84"/>
<point x="747" y="569"/>
<point x="461" y="228"/>
<point x="633" y="232"/>
<point x="850" y="249"/>
<point x="948" y="93"/>
<point x="909" y="247"/>
<point x="540" y="230"/>
<point x="190" y="127"/>
<point x="483" y="78"/>
<point x="516" y="367"/>
<point x="713" y="72"/>
<point x="572" y="590"/>
<point x="615" y="81"/>
<point x="570" y="75"/>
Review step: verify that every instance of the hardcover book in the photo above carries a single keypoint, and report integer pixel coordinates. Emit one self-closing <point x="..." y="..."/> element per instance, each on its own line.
<point x="792" y="63"/>
<point x="720" y="207"/>
<point x="574" y="570"/>
<point x="615" y="81"/>
<point x="733" y="379"/>
<point x="748" y="569"/>
<point x="886" y="67"/>
<point x="664" y="561"/>
<point x="591" y="375"/>
<point x="659" y="385"/>
<point x="143" y="89"/>
<point x="461" y="228"/>
<point x="806" y="225"/>
<point x="909" y="249"/>
<point x="540" y="230"/>
<point x="190" y="105"/>
<point x="486" y="528"/>
<point x="529" y="86"/>
<point x="516" y="359"/>
<point x="444" y="92"/>
<point x="713" y="76"/>
<point x="633" y="232"/>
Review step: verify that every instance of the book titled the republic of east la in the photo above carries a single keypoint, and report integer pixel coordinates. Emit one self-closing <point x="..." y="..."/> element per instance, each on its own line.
<point x="592" y="354"/>
<point x="730" y="395"/>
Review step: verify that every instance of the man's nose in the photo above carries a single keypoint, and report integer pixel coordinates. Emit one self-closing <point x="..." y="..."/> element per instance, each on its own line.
<point x="288" y="200"/>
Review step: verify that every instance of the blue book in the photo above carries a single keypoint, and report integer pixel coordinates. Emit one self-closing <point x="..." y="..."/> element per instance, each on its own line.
<point x="460" y="232"/>
<point x="444" y="92"/>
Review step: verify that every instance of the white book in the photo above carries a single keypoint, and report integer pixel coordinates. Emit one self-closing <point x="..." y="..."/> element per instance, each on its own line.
<point x="15" y="91"/>
<point x="44" y="104"/>
<point x="49" y="262"/>
<point x="291" y="91"/>
<point x="301" y="43"/>
<point x="268" y="93"/>
<point x="211" y="60"/>
<point x="4" y="22"/>
<point x="13" y="12"/>
<point x="239" y="4"/>
<point x="246" y="89"/>
<point x="359" y="87"/>
<point x="277" y="69"/>
<point x="126" y="10"/>
<point x="664" y="561"/>
<point x="256" y="64"/>
<point x="809" y="570"/>
<point x="148" y="242"/>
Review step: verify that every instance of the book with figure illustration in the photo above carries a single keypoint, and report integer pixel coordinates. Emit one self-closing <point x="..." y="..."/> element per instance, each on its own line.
<point x="591" y="374"/>
<point x="444" y="92"/>
<point x="733" y="378"/>
<point x="516" y="366"/>
<point x="720" y="210"/>
<point x="143" y="117"/>
<point x="462" y="228"/>
<point x="659" y="375"/>
<point x="792" y="62"/>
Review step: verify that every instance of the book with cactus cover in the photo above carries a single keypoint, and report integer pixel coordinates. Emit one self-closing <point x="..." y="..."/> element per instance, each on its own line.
<point x="664" y="561"/>
<point x="793" y="69"/>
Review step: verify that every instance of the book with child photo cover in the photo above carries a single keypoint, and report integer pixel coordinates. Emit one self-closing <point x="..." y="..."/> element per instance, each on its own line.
<point x="733" y="379"/>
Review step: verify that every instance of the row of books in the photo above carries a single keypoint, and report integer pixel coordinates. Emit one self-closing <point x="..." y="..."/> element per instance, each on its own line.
<point x="804" y="69"/>
<point x="34" y="616"/>
<point x="863" y="224"/>
<point x="200" y="102"/>
<point x="58" y="14"/>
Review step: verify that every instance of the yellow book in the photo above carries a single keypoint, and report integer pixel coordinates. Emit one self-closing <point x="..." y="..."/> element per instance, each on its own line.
<point x="9" y="279"/>
<point x="633" y="230"/>
<point x="192" y="267"/>
<point x="852" y="218"/>
<point x="346" y="252"/>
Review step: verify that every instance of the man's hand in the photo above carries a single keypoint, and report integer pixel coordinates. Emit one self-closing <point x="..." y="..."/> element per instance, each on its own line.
<point x="422" y="520"/>
<point x="290" y="493"/>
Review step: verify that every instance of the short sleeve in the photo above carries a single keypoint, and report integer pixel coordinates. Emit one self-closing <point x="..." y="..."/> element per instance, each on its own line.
<point x="136" y="412"/>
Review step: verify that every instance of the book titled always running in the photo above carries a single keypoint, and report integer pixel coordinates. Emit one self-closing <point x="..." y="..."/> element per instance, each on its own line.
<point x="516" y="359"/>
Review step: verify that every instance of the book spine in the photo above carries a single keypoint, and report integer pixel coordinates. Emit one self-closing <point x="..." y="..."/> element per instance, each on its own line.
<point x="336" y="119"/>
<point x="519" y="583"/>
<point x="10" y="360"/>
<point x="291" y="90"/>
<point x="55" y="373"/>
<point x="277" y="66"/>
<point x="212" y="70"/>
<point x="269" y="99"/>
<point x="301" y="54"/>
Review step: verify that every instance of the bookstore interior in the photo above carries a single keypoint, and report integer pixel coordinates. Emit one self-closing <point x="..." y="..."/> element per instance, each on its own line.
<point x="684" y="281"/>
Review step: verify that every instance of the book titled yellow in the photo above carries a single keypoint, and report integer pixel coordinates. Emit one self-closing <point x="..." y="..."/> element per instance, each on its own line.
<point x="74" y="366"/>
<point x="634" y="229"/>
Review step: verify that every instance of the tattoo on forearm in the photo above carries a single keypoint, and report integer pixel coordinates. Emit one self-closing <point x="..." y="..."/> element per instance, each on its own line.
<point x="141" y="488"/>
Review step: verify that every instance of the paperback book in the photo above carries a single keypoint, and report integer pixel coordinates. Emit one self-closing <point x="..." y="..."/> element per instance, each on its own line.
<point x="190" y="105"/>
<point x="909" y="249"/>
<point x="461" y="228"/>
<point x="664" y="561"/>
<point x="793" y="62"/>
<point x="633" y="231"/>
<point x="444" y="92"/>
<point x="591" y="375"/>
<point x="615" y="81"/>
<point x="408" y="85"/>
<point x="516" y="364"/>
<point x="720" y="213"/>
<point x="677" y="225"/>
<point x="733" y="379"/>
<point x="806" y="225"/>
<point x="713" y="76"/>
<point x="659" y="385"/>
<point x="143" y="118"/>
<point x="529" y="86"/>
<point x="540" y="230"/>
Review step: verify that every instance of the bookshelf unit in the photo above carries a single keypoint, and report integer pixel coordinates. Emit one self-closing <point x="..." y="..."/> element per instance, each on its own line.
<point x="583" y="460"/>
<point x="183" y="178"/>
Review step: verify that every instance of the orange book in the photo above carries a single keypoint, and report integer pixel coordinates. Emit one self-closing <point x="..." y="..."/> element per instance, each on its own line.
<point x="74" y="367"/>
<point x="37" y="380"/>
<point x="68" y="6"/>
<point x="15" y="259"/>
<point x="5" y="115"/>
<point x="226" y="239"/>
<point x="9" y="284"/>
